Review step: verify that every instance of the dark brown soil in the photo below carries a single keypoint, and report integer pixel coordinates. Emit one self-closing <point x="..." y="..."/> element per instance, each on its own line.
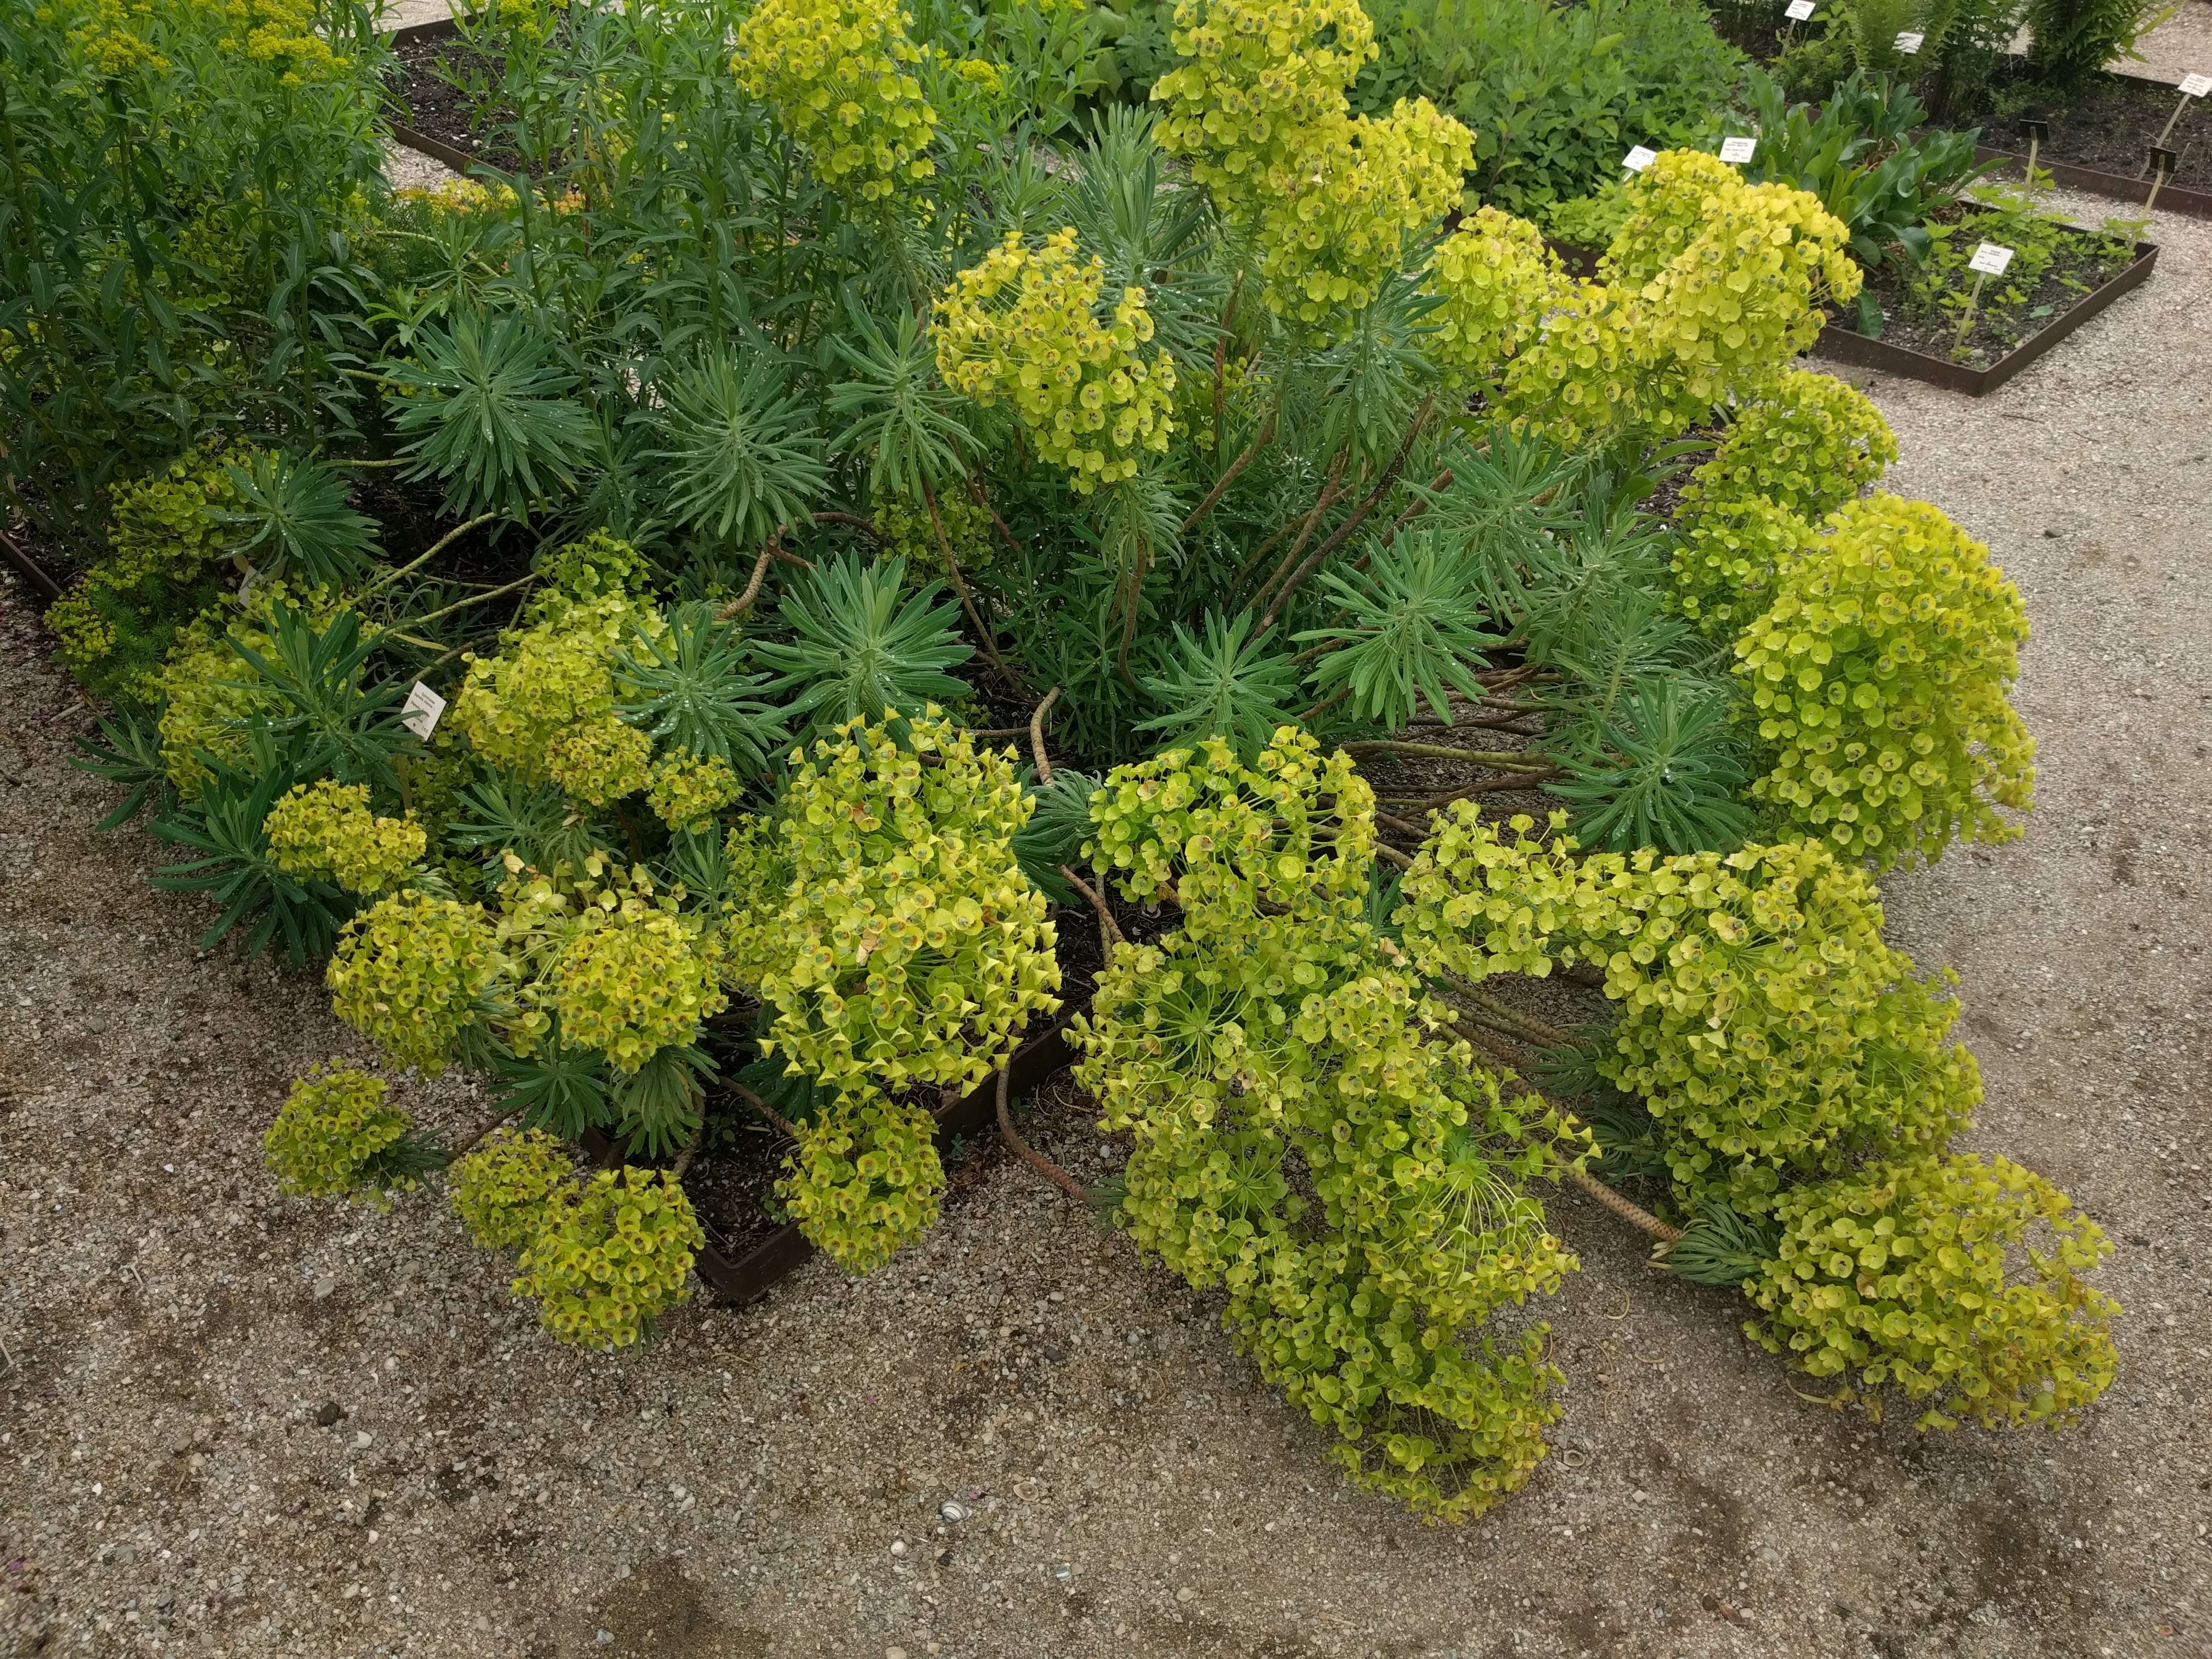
<point x="2110" y="126"/>
<point x="2070" y="277"/>
<point x="441" y="89"/>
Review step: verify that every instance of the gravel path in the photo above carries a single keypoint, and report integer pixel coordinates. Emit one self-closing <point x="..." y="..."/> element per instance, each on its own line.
<point x="233" y="1424"/>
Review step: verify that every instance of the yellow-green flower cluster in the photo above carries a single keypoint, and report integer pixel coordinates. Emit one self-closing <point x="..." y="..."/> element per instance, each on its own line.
<point x="1723" y="569"/>
<point x="865" y="1181"/>
<point x="610" y="1258"/>
<point x="333" y="1132"/>
<point x="544" y="706"/>
<point x="1710" y="286"/>
<point x="687" y="789"/>
<point x="1256" y="74"/>
<point x="1879" y="673"/>
<point x="162" y="534"/>
<point x="1258" y="109"/>
<point x="409" y="972"/>
<point x="1922" y="1275"/>
<point x="1495" y="278"/>
<point x="600" y="760"/>
<point x="503" y="1190"/>
<point x="907" y="532"/>
<point x="890" y="927"/>
<point x="326" y="829"/>
<point x="210" y="693"/>
<point x="633" y="984"/>
<point x="1807" y="445"/>
<point x="1022" y="327"/>
<point x="1764" y="1022"/>
<point x="840" y="76"/>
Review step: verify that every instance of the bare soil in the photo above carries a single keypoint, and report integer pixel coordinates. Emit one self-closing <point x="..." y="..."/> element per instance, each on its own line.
<point x="235" y="1424"/>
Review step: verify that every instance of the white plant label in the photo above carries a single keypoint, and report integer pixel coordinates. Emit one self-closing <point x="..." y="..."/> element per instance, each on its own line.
<point x="1909" y="43"/>
<point x="419" y="714"/>
<point x="1991" y="259"/>
<point x="2195" y="85"/>
<point x="1738" y="149"/>
<point x="1639" y="158"/>
<point x="1798" y="11"/>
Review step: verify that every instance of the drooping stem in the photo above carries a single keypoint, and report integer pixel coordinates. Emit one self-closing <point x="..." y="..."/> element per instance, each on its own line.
<point x="790" y="1130"/>
<point x="690" y="1151"/>
<point x="1036" y="738"/>
<point x="1344" y="531"/>
<point x="1221" y="487"/>
<point x="975" y="494"/>
<point x="475" y="1139"/>
<point x="990" y="640"/>
<point x="1329" y="497"/>
<point x="416" y="563"/>
<point x="474" y="599"/>
<point x="1509" y="760"/>
<point x="1037" y="1160"/>
<point x="28" y="569"/>
<point x="738" y="607"/>
<point x="1110" y="931"/>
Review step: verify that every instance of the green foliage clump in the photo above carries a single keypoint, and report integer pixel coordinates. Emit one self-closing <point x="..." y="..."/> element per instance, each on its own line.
<point x="633" y="984"/>
<point x="611" y="1257"/>
<point x="1278" y="1031"/>
<point x="687" y="789"/>
<point x="327" y="829"/>
<point x="544" y="708"/>
<point x="335" y="1136"/>
<point x="1910" y="1274"/>
<point x="865" y="1181"/>
<point x="840" y="75"/>
<point x="2072" y="41"/>
<point x="1879" y="672"/>
<point x="1807" y="446"/>
<point x="504" y="1190"/>
<point x="889" y="925"/>
<point x="408" y="973"/>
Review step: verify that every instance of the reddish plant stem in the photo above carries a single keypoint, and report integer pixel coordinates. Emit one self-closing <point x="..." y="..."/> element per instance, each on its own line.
<point x="1036" y="738"/>
<point x="1110" y="931"/>
<point x="967" y="600"/>
<point x="1221" y="488"/>
<point x="1029" y="1155"/>
<point x="790" y="1129"/>
<point x="738" y="607"/>
<point x="1344" y="531"/>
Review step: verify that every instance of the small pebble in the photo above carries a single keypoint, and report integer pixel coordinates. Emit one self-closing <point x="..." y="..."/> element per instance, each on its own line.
<point x="329" y="1415"/>
<point x="898" y="1546"/>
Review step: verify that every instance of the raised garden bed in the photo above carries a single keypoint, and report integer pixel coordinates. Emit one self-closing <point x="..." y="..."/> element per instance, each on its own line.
<point x="1919" y="350"/>
<point x="432" y="115"/>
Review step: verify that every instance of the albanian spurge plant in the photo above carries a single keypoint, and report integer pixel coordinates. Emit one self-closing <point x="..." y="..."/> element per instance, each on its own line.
<point x="825" y="395"/>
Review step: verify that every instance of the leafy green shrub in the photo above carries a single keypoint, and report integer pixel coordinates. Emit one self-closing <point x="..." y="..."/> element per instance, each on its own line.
<point x="1909" y="1274"/>
<point x="1879" y="673"/>
<point x="1555" y="94"/>
<point x="609" y="1259"/>
<point x="888" y="924"/>
<point x="327" y="829"/>
<point x="335" y="1136"/>
<point x="165" y="532"/>
<point x="409" y="972"/>
<point x="2071" y="40"/>
<point x="865" y="1180"/>
<point x="505" y="1189"/>
<point x="545" y="704"/>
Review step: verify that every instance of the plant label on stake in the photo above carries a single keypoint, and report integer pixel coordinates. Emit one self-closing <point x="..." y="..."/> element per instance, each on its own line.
<point x="1738" y="150"/>
<point x="1639" y="158"/>
<point x="420" y="713"/>
<point x="2195" y="85"/>
<point x="2192" y="86"/>
<point x="1989" y="260"/>
<point x="1798" y="11"/>
<point x="1910" y="42"/>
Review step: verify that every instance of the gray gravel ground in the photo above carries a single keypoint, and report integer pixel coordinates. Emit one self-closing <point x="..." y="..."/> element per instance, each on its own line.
<point x="230" y="1424"/>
